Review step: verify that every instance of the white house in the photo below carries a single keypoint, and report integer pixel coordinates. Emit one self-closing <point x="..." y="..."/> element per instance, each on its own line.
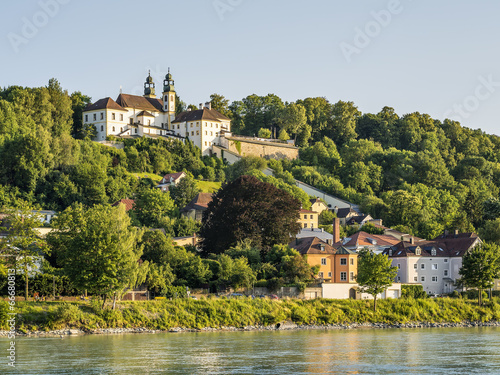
<point x="133" y="116"/>
<point x="433" y="264"/>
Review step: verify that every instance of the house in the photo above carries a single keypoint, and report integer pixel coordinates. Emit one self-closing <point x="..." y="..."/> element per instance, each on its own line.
<point x="186" y="241"/>
<point x="131" y="116"/>
<point x="434" y="264"/>
<point x="128" y="203"/>
<point x="345" y="214"/>
<point x="197" y="206"/>
<point x="308" y="218"/>
<point x="318" y="205"/>
<point x="374" y="242"/>
<point x="335" y="265"/>
<point x="45" y="216"/>
<point x="169" y="180"/>
<point x="322" y="234"/>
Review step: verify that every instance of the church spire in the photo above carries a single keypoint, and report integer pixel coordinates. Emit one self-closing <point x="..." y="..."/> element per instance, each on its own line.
<point x="149" y="87"/>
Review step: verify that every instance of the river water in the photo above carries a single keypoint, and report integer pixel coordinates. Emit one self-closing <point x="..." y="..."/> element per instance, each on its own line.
<point x="358" y="351"/>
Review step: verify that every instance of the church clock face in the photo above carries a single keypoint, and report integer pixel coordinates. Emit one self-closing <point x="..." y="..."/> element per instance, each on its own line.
<point x="172" y="107"/>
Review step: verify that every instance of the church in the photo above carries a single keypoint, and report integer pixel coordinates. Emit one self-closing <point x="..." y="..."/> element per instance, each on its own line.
<point x="131" y="116"/>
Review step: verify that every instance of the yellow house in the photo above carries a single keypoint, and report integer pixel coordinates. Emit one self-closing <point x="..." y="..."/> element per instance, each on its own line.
<point x="308" y="219"/>
<point x="335" y="265"/>
<point x="318" y="205"/>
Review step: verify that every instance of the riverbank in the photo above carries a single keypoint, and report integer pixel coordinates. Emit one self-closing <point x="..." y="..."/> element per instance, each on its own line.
<point x="214" y="314"/>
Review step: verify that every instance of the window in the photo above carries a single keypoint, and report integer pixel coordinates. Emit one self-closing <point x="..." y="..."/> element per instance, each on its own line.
<point x="422" y="279"/>
<point x="205" y="143"/>
<point x="197" y="132"/>
<point x="433" y="252"/>
<point x="415" y="266"/>
<point x="434" y="279"/>
<point x="418" y="251"/>
<point x="343" y="276"/>
<point x="102" y="128"/>
<point x="305" y="216"/>
<point x="121" y="116"/>
<point x="206" y="133"/>
<point x="446" y="272"/>
<point x="86" y="118"/>
<point x="343" y="261"/>
<point x="434" y="266"/>
<point x="121" y="129"/>
<point x="305" y="225"/>
<point x="102" y="116"/>
<point x="415" y="278"/>
<point x="211" y="133"/>
<point x="351" y="261"/>
<point x="113" y="128"/>
<point x="131" y="121"/>
<point x="177" y="126"/>
<point x="446" y="260"/>
<point x="351" y="276"/>
<point x="113" y="116"/>
<point x="135" y="130"/>
<point x="390" y="252"/>
<point x="216" y="134"/>
<point x="399" y="266"/>
<point x="95" y="117"/>
<point x="311" y="217"/>
<point x="192" y="133"/>
<point x="191" y="124"/>
<point x="323" y="261"/>
<point x="422" y="266"/>
<point x="211" y="125"/>
<point x="217" y="126"/>
<point x="149" y="122"/>
<point x="197" y="123"/>
<point x="320" y="274"/>
<point x="171" y="98"/>
<point x="329" y="274"/>
<point x="399" y="279"/>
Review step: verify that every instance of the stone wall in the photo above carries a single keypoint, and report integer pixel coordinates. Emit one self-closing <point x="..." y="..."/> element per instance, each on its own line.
<point x="264" y="149"/>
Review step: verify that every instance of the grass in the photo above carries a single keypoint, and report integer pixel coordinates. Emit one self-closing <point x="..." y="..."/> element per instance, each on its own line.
<point x="208" y="186"/>
<point x="216" y="313"/>
<point x="154" y="177"/>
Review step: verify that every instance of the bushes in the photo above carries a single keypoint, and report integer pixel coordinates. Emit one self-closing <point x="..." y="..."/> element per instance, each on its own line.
<point x="413" y="291"/>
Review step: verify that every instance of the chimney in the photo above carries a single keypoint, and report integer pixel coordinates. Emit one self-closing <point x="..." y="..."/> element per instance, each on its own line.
<point x="208" y="105"/>
<point x="336" y="230"/>
<point x="329" y="241"/>
<point x="201" y="105"/>
<point x="412" y="240"/>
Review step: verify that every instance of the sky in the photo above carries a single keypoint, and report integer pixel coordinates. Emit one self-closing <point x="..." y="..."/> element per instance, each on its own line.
<point x="440" y="58"/>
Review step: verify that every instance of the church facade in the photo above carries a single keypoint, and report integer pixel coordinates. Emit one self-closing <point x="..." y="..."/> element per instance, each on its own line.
<point x="131" y="116"/>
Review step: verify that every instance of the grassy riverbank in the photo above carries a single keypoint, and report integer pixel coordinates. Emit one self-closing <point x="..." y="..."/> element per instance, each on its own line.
<point x="215" y="313"/>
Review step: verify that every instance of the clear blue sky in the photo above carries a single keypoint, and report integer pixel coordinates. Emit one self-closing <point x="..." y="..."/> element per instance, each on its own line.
<point x="436" y="57"/>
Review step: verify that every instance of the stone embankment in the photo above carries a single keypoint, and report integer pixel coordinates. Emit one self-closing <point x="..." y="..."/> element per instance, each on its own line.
<point x="284" y="326"/>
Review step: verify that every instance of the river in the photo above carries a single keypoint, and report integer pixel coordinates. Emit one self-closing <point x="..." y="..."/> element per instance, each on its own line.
<point x="357" y="351"/>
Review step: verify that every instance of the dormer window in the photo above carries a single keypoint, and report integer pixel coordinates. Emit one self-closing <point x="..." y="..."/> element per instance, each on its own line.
<point x="433" y="252"/>
<point x="390" y="252"/>
<point x="418" y="251"/>
<point x="322" y="247"/>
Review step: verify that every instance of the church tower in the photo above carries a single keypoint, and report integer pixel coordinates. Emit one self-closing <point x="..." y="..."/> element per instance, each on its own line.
<point x="169" y="98"/>
<point x="149" y="87"/>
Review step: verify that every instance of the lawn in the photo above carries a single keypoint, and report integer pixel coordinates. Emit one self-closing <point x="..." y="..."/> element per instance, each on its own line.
<point x="208" y="186"/>
<point x="154" y="177"/>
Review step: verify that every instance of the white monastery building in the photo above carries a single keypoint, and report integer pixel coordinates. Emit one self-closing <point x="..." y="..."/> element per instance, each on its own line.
<point x="133" y="116"/>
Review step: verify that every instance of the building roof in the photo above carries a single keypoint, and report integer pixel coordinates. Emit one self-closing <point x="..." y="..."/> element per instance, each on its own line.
<point x="129" y="203"/>
<point x="140" y="102"/>
<point x="314" y="232"/>
<point x="362" y="239"/>
<point x="145" y="113"/>
<point x="344" y="212"/>
<point x="358" y="219"/>
<point x="200" y="202"/>
<point x="201" y="114"/>
<point x="105" y="103"/>
<point x="312" y="245"/>
<point x="445" y="246"/>
<point x="303" y="211"/>
<point x="317" y="200"/>
<point x="174" y="176"/>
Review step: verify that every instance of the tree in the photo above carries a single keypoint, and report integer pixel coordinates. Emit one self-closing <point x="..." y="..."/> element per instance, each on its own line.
<point x="248" y="208"/>
<point x="375" y="273"/>
<point x="78" y="104"/>
<point x="185" y="190"/>
<point x="220" y="104"/>
<point x="480" y="266"/>
<point x="97" y="248"/>
<point x="283" y="135"/>
<point x="264" y="133"/>
<point x="22" y="243"/>
<point x="151" y="205"/>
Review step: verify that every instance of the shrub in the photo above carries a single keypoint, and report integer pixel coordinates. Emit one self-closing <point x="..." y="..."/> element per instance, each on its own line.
<point x="413" y="291"/>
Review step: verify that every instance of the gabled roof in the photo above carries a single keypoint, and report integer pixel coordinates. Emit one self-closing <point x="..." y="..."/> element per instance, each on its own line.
<point x="173" y="176"/>
<point x="140" y="102"/>
<point x="145" y="113"/>
<point x="314" y="232"/>
<point x="317" y="200"/>
<point x="345" y="251"/>
<point x="200" y="202"/>
<point x="201" y="114"/>
<point x="303" y="211"/>
<point x="129" y="203"/>
<point x="311" y="245"/>
<point x="448" y="246"/>
<point x="105" y="103"/>
<point x="344" y="212"/>
<point x="358" y="219"/>
<point x="362" y="239"/>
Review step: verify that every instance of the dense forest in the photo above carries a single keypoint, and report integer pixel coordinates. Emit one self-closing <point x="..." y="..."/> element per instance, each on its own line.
<point x="416" y="173"/>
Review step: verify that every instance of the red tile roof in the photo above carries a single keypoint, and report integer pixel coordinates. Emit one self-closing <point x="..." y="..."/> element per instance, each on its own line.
<point x="174" y="176"/>
<point x="201" y="114"/>
<point x="140" y="102"/>
<point x="129" y="203"/>
<point x="105" y="103"/>
<point x="361" y="239"/>
<point x="302" y="211"/>
<point x="200" y="202"/>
